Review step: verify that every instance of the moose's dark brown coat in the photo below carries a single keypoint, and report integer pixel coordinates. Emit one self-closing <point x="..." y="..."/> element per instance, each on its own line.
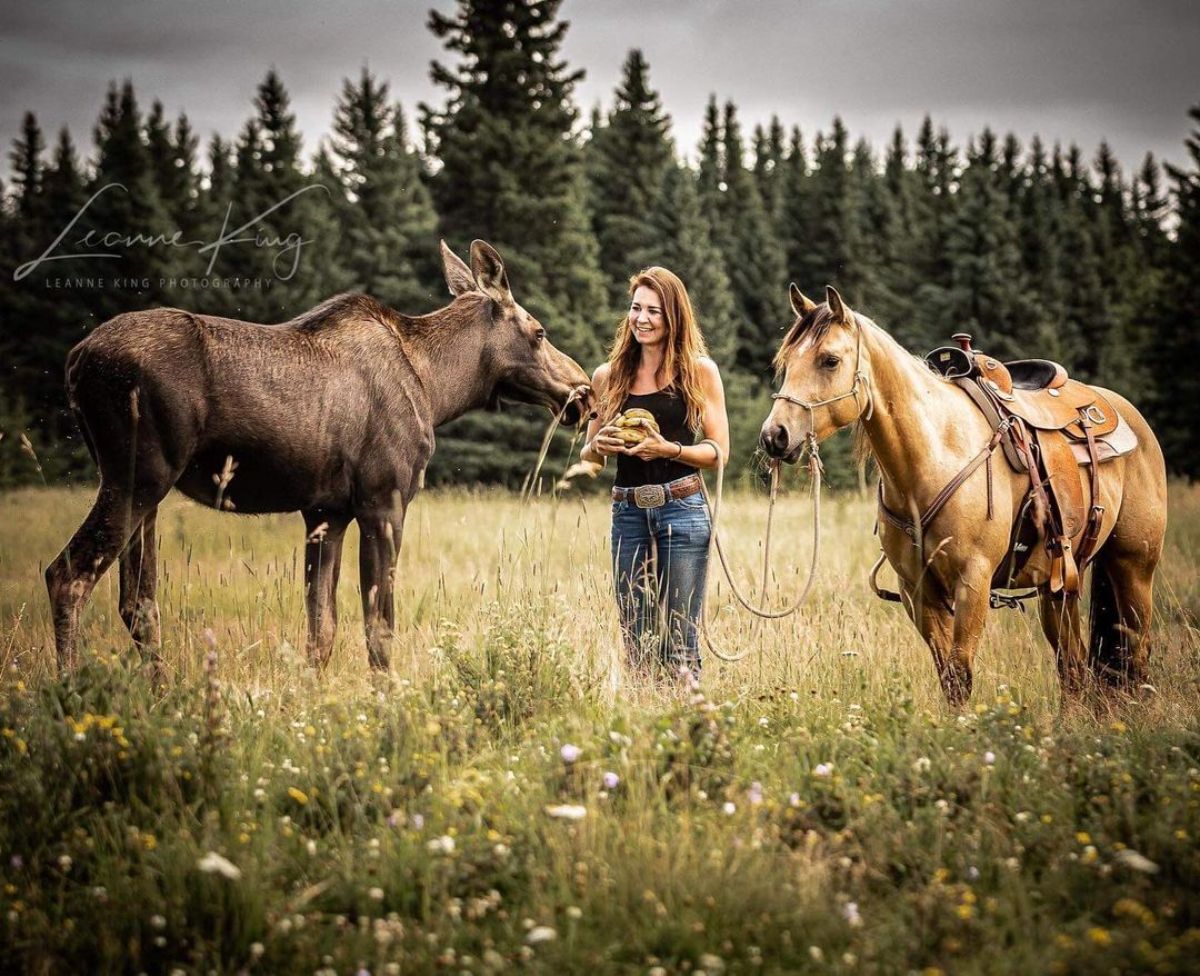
<point x="331" y="414"/>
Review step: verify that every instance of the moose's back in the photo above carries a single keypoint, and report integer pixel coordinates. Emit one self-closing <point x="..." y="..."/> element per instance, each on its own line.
<point x="253" y="418"/>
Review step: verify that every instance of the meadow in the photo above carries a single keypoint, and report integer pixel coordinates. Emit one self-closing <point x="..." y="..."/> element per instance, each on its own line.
<point x="507" y="798"/>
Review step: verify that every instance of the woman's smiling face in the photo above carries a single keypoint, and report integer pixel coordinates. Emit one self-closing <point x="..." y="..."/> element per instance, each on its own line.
<point x="647" y="320"/>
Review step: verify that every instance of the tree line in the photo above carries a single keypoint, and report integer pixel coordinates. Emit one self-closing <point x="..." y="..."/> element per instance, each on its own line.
<point x="1037" y="250"/>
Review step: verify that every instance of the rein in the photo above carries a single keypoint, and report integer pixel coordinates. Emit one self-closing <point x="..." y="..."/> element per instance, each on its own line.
<point x="815" y="470"/>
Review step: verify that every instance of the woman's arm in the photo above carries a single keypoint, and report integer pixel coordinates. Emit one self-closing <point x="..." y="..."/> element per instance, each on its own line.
<point x="715" y="427"/>
<point x="599" y="443"/>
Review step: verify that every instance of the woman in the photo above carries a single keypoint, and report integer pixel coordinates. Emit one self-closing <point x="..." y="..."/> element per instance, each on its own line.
<point x="660" y="521"/>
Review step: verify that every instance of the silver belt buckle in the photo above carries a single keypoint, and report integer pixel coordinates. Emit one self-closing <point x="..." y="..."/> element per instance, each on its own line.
<point x="649" y="496"/>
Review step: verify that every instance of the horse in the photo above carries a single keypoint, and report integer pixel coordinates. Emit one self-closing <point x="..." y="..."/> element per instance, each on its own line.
<point x="331" y="414"/>
<point x="839" y="368"/>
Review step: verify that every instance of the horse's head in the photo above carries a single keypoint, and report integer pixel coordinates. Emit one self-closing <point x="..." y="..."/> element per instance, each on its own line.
<point x="522" y="363"/>
<point x="824" y="372"/>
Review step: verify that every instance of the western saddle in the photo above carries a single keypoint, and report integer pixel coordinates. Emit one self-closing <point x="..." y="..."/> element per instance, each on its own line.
<point x="1050" y="427"/>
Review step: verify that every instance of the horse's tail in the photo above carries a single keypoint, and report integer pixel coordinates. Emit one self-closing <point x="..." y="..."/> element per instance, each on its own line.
<point x="1108" y="639"/>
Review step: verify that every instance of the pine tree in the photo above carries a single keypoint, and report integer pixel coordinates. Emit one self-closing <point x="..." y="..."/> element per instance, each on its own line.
<point x="1176" y="347"/>
<point x="680" y="238"/>
<point x="389" y="227"/>
<point x="754" y="259"/>
<point x="27" y="166"/>
<point x="510" y="171"/>
<point x="986" y="296"/>
<point x="795" y="218"/>
<point x="129" y="204"/>
<point x="282" y="281"/>
<point x="769" y="155"/>
<point x="631" y="154"/>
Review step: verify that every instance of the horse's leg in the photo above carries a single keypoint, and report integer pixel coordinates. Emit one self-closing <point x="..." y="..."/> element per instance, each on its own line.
<point x="952" y="636"/>
<point x="139" y="579"/>
<point x="378" y="547"/>
<point x="1122" y="607"/>
<point x="72" y="576"/>
<point x="934" y="621"/>
<point x="1061" y="625"/>
<point x="322" y="565"/>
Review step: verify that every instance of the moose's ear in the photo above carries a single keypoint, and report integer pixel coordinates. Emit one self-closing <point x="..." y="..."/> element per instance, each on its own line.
<point x="458" y="275"/>
<point x="801" y="303"/>
<point x="841" y="311"/>
<point x="490" y="276"/>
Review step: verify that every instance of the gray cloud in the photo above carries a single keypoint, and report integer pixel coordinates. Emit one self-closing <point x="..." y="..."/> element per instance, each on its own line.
<point x="1070" y="70"/>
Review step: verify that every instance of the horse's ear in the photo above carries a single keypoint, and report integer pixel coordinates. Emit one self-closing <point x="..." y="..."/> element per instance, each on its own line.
<point x="840" y="310"/>
<point x="490" y="276"/>
<point x="458" y="275"/>
<point x="801" y="303"/>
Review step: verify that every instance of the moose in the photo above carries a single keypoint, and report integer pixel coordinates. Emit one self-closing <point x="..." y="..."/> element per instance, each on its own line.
<point x="331" y="414"/>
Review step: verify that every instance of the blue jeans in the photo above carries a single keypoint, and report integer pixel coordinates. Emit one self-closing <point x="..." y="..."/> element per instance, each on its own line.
<point x="660" y="565"/>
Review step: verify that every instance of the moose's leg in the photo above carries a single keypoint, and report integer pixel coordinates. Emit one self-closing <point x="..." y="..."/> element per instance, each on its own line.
<point x="1061" y="625"/>
<point x="72" y="576"/>
<point x="322" y="565"/>
<point x="378" y="547"/>
<point x="139" y="579"/>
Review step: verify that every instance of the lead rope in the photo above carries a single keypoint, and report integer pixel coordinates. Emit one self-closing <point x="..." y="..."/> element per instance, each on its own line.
<point x="816" y="469"/>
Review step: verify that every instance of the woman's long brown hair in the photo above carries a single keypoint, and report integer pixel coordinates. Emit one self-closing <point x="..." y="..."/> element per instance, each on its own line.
<point x="685" y="346"/>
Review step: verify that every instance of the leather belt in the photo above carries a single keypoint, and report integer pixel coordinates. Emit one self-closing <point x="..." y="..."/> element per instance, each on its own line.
<point x="652" y="496"/>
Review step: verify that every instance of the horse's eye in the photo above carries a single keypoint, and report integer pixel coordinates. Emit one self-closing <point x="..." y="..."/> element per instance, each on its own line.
<point x="829" y="362"/>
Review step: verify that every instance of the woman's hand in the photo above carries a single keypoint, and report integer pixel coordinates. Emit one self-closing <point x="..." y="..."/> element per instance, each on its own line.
<point x="653" y="445"/>
<point x="606" y="443"/>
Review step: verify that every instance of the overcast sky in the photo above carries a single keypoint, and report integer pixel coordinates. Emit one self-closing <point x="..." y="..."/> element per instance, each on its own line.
<point x="1069" y="70"/>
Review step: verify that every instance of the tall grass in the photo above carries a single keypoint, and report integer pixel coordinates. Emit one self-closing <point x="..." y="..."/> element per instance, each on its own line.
<point x="508" y="797"/>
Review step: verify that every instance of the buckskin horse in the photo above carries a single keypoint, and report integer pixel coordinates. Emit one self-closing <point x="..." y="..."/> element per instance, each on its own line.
<point x="331" y="414"/>
<point x="992" y="479"/>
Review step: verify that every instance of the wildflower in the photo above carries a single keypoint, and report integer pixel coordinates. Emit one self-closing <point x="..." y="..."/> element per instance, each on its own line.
<point x="65" y="862"/>
<point x="823" y="769"/>
<point x="541" y="933"/>
<point x="375" y="894"/>
<point x="1131" y="859"/>
<point x="214" y="863"/>
<point x="711" y="963"/>
<point x="1083" y="837"/>
<point x="441" y="845"/>
<point x="418" y="821"/>
<point x="567" y="811"/>
<point x="989" y="758"/>
<point x="311" y="847"/>
<point x="755" y="793"/>
<point x="298" y="795"/>
<point x="922" y="764"/>
<point x="256" y="950"/>
<point x="851" y="915"/>
<point x="815" y="952"/>
<point x="729" y="808"/>
<point x="1099" y="936"/>
<point x="158" y="922"/>
<point x="973" y="873"/>
<point x="570" y="753"/>
<point x="794" y="800"/>
<point x="611" y="780"/>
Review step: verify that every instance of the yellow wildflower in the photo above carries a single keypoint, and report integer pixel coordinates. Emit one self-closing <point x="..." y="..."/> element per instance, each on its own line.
<point x="298" y="795"/>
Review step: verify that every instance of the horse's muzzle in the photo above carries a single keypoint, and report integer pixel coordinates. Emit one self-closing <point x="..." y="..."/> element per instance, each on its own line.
<point x="775" y="440"/>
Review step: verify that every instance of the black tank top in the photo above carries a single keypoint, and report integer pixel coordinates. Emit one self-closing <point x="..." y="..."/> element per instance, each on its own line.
<point x="670" y="411"/>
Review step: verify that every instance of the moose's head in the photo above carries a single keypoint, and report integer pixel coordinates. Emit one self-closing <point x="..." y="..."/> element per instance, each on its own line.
<point x="523" y="363"/>
<point x="825" y="376"/>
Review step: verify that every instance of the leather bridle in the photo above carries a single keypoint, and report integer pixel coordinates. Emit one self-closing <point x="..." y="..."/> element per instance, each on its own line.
<point x="861" y="385"/>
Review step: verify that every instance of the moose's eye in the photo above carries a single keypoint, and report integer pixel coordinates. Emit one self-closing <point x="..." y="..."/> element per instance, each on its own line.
<point x="541" y="334"/>
<point x="829" y="362"/>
